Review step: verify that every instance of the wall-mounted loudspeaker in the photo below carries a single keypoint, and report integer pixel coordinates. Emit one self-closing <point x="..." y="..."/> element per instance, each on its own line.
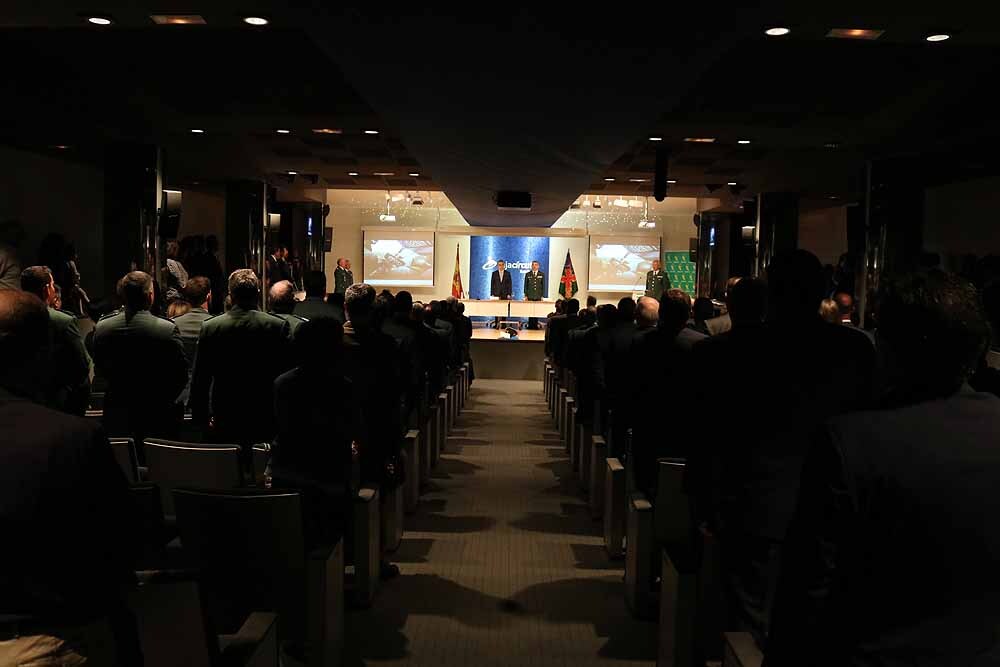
<point x="508" y="200"/>
<point x="170" y="214"/>
<point x="693" y="250"/>
<point x="327" y="239"/>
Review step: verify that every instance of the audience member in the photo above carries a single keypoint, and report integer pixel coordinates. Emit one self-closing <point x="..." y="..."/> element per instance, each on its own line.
<point x="175" y="275"/>
<point x="240" y="353"/>
<point x="723" y="323"/>
<point x="702" y="311"/>
<point x="177" y="308"/>
<point x="282" y="301"/>
<point x="314" y="306"/>
<point x="197" y="291"/>
<point x="591" y="302"/>
<point x="66" y="378"/>
<point x="646" y="313"/>
<point x="336" y="299"/>
<point x="560" y="326"/>
<point x="316" y="420"/>
<point x="774" y="383"/>
<point x="142" y="358"/>
<point x="404" y="331"/>
<point x="829" y="311"/>
<point x="748" y="303"/>
<point x="67" y="566"/>
<point x="11" y="237"/>
<point x="901" y="495"/>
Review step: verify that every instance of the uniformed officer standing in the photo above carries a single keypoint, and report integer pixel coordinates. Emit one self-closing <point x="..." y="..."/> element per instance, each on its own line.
<point x="282" y="300"/>
<point x="534" y="290"/>
<point x="342" y="276"/>
<point x="142" y="358"/>
<point x="657" y="281"/>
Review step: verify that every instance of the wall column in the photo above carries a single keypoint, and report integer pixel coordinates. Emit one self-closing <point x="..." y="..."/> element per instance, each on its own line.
<point x="133" y="190"/>
<point x="246" y="226"/>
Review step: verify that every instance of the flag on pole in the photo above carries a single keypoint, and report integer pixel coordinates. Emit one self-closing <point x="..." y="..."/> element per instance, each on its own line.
<point x="567" y="283"/>
<point x="456" y="281"/>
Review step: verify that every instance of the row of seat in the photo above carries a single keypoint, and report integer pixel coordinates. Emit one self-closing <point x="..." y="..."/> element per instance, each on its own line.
<point x="218" y="542"/>
<point x="656" y="538"/>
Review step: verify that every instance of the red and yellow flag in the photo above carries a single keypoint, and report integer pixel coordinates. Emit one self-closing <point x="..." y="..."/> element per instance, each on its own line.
<point x="456" y="281"/>
<point x="567" y="282"/>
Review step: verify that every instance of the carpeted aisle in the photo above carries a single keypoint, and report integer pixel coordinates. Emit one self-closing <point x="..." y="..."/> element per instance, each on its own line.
<point x="502" y="565"/>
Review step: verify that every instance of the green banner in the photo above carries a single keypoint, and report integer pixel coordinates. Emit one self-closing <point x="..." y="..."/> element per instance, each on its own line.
<point x="680" y="270"/>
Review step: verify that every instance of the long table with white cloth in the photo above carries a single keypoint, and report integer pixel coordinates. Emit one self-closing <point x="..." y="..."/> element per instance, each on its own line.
<point x="507" y="308"/>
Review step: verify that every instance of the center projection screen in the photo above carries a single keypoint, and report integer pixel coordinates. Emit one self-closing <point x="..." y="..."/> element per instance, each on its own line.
<point x="399" y="258"/>
<point x="619" y="264"/>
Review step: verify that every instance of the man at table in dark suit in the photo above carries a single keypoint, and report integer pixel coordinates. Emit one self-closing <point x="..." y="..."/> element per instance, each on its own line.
<point x="657" y="281"/>
<point x="534" y="290"/>
<point x="501" y="286"/>
<point x="342" y="276"/>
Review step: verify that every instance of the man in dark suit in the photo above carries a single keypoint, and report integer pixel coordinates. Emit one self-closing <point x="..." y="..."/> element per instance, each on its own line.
<point x="534" y="289"/>
<point x="281" y="298"/>
<point x="501" y="286"/>
<point x="744" y="474"/>
<point x="240" y="353"/>
<point x="68" y="386"/>
<point x="142" y="358"/>
<point x="198" y="292"/>
<point x="342" y="276"/>
<point x="892" y="555"/>
<point x="315" y="306"/>
<point x="60" y="489"/>
<point x="278" y="268"/>
<point x="403" y="330"/>
<point x="657" y="281"/>
<point x="561" y="326"/>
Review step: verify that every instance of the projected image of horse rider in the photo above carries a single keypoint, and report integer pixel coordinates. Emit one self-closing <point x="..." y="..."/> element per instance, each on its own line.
<point x="501" y="286"/>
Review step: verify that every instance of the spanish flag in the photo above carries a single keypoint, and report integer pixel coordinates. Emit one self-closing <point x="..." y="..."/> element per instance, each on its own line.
<point x="456" y="281"/>
<point x="567" y="282"/>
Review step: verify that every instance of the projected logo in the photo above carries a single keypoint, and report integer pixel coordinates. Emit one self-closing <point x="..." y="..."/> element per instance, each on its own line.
<point x="518" y="252"/>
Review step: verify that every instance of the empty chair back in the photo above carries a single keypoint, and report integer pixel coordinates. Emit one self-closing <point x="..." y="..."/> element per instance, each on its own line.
<point x="172" y="464"/>
<point x="249" y="545"/>
<point x="124" y="453"/>
<point x="148" y="531"/>
<point x="673" y="512"/>
<point x="170" y="623"/>
<point x="261" y="457"/>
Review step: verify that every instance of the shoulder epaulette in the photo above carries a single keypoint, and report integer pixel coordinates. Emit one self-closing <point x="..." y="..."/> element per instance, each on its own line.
<point x="111" y="314"/>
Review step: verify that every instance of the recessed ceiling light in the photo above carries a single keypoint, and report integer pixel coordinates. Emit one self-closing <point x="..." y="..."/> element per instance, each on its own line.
<point x="938" y="37"/>
<point x="197" y="131"/>
<point x="352" y="173"/>
<point x="383" y="173"/>
<point x="637" y="180"/>
<point x="178" y="19"/>
<point x="327" y="130"/>
<point x="731" y="184"/>
<point x="414" y="174"/>
<point x="700" y="140"/>
<point x="283" y="131"/>
<point x="855" y="33"/>
<point x="743" y="142"/>
<point x="100" y="20"/>
<point x="292" y="173"/>
<point x="609" y="179"/>
<point x="656" y="138"/>
<point x="776" y="32"/>
<point x="255" y="20"/>
<point x="671" y="181"/>
<point x="833" y="197"/>
<point x="371" y="131"/>
<point x="61" y="147"/>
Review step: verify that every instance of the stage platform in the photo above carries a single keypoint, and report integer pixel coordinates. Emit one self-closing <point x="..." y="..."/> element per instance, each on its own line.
<point x="498" y="358"/>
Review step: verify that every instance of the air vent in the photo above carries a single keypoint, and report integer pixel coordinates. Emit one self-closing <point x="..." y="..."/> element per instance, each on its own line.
<point x="508" y="200"/>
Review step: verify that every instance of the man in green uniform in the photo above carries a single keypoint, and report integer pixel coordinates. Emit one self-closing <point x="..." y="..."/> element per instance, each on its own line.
<point x="534" y="290"/>
<point x="240" y="353"/>
<point x="142" y="358"/>
<point x="657" y="281"/>
<point x="342" y="276"/>
<point x="68" y="386"/>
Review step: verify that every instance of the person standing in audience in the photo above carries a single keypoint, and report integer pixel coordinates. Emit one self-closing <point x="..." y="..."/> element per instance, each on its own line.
<point x="282" y="301"/>
<point x="60" y="488"/>
<point x="277" y="266"/>
<point x="11" y="237"/>
<point x="657" y="281"/>
<point x="198" y="294"/>
<point x="892" y="556"/>
<point x="559" y="306"/>
<point x="175" y="275"/>
<point x="342" y="276"/>
<point x="646" y="314"/>
<point x="314" y="306"/>
<point x="618" y="375"/>
<point x="829" y="311"/>
<point x="371" y="363"/>
<point x="723" y="323"/>
<point x="399" y="326"/>
<point x="316" y="421"/>
<point x="68" y="375"/>
<point x="534" y="289"/>
<point x="592" y="303"/>
<point x="240" y="353"/>
<point x="213" y="271"/>
<point x="686" y="337"/>
<point x="560" y="326"/>
<point x="775" y="384"/>
<point x="142" y="358"/>
<point x="594" y="360"/>
<point x="702" y="311"/>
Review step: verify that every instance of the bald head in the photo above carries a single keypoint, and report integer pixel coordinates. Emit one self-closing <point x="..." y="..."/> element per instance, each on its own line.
<point x="282" y="297"/>
<point x="24" y="334"/>
<point x="647" y="311"/>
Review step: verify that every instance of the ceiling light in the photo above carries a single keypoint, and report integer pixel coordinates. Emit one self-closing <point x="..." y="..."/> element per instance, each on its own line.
<point x="177" y="19"/>
<point x="197" y="131"/>
<point x="622" y="203"/>
<point x="327" y="130"/>
<point x="831" y="144"/>
<point x="397" y="198"/>
<point x="855" y="33"/>
<point x="731" y="183"/>
<point x="637" y="180"/>
<point x="100" y="20"/>
<point x="292" y="173"/>
<point x="635" y="203"/>
<point x="352" y="173"/>
<point x="414" y="174"/>
<point x="173" y="192"/>
<point x="743" y="142"/>
<point x="283" y="131"/>
<point x="383" y="173"/>
<point x="371" y="131"/>
<point x="656" y="138"/>
<point x="609" y="179"/>
<point x="938" y="37"/>
<point x="777" y="32"/>
<point x="700" y="140"/>
<point x="255" y="20"/>
<point x="671" y="181"/>
<point x="387" y="217"/>
<point x="61" y="147"/>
